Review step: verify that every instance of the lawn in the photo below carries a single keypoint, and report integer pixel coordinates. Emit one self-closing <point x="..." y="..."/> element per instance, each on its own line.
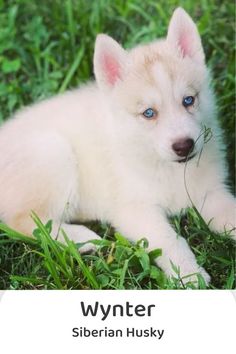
<point x="46" y="47"/>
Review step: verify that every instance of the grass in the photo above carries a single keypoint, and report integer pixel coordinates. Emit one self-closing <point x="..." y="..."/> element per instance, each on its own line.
<point x="46" y="47"/>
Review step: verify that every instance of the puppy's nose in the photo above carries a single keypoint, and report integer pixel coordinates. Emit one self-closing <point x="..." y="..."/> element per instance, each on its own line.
<point x="183" y="147"/>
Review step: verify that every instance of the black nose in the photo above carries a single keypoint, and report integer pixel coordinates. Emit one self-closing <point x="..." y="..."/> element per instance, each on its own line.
<point x="183" y="147"/>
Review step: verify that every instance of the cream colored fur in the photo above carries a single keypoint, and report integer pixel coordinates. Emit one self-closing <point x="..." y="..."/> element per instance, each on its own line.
<point x="90" y="154"/>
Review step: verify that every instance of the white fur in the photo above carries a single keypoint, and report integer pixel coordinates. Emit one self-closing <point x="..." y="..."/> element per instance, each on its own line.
<point x="90" y="154"/>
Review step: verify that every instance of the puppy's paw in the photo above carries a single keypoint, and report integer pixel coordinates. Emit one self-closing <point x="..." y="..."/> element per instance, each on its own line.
<point x="187" y="271"/>
<point x="194" y="278"/>
<point x="205" y="275"/>
<point x="81" y="236"/>
<point x="231" y="232"/>
<point x="87" y="247"/>
<point x="225" y="221"/>
<point x="224" y="225"/>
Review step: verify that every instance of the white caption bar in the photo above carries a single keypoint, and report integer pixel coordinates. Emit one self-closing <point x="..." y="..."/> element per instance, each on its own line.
<point x="161" y="321"/>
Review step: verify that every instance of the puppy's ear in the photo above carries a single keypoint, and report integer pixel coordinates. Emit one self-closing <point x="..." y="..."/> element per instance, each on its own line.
<point x="183" y="34"/>
<point x="109" y="61"/>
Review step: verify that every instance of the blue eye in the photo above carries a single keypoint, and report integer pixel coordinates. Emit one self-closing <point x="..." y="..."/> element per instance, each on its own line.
<point x="188" y="101"/>
<point x="149" y="113"/>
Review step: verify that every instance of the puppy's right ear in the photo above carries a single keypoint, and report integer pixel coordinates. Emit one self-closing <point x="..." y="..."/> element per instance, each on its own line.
<point x="109" y="61"/>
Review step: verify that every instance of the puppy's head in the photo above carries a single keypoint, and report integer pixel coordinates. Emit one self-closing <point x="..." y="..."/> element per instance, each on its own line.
<point x="158" y="93"/>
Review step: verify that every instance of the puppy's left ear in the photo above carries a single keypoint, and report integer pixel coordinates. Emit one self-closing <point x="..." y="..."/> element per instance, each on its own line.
<point x="109" y="61"/>
<point x="183" y="34"/>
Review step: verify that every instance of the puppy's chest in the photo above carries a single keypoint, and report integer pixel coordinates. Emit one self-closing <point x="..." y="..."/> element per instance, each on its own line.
<point x="164" y="186"/>
<point x="171" y="190"/>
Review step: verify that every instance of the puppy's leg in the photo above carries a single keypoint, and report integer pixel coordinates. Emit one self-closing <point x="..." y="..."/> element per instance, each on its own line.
<point x="220" y="207"/>
<point x="76" y="233"/>
<point x="42" y="178"/>
<point x="137" y="221"/>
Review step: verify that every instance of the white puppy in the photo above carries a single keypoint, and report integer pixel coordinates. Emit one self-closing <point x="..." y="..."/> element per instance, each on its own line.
<point x="116" y="150"/>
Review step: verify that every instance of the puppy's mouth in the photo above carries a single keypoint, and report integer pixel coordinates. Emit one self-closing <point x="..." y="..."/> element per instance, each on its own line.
<point x="187" y="158"/>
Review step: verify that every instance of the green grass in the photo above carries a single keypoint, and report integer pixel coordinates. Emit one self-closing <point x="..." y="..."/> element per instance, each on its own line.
<point x="46" y="47"/>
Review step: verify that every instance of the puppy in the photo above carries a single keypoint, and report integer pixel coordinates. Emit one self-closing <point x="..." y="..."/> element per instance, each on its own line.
<point x="130" y="149"/>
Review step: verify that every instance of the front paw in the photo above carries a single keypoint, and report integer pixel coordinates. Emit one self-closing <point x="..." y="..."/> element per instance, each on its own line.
<point x="185" y="270"/>
<point x="194" y="278"/>
<point x="225" y="223"/>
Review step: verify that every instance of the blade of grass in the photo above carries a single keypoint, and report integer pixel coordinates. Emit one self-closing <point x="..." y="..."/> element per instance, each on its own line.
<point x="72" y="69"/>
<point x="122" y="276"/>
<point x="15" y="235"/>
<point x="85" y="270"/>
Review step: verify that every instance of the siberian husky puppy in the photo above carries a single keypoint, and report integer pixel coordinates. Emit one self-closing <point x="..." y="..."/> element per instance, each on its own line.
<point x="129" y="149"/>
